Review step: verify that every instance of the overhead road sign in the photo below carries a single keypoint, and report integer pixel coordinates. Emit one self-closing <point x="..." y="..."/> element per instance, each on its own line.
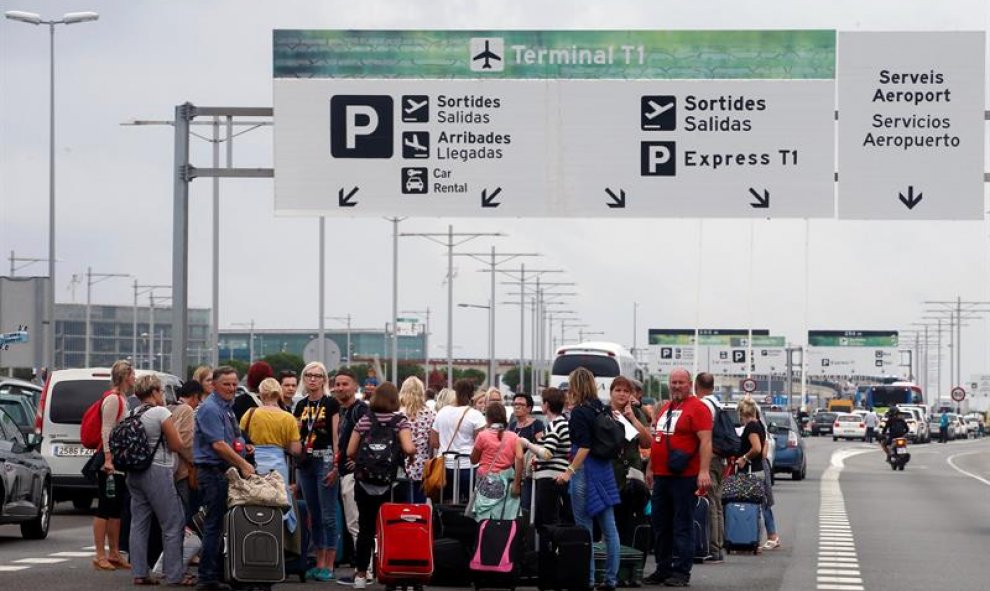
<point x="911" y="125"/>
<point x="555" y="123"/>
<point x="853" y="353"/>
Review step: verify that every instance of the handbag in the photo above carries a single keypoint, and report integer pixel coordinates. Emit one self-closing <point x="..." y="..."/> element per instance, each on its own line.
<point x="492" y="485"/>
<point x="91" y="469"/>
<point x="267" y="491"/>
<point x="435" y="470"/>
<point x="743" y="487"/>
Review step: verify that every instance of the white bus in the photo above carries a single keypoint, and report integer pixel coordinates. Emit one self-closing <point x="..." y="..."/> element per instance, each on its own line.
<point x="605" y="360"/>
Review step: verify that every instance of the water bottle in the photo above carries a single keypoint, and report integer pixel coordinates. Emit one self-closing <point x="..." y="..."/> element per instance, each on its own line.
<point x="111" y="486"/>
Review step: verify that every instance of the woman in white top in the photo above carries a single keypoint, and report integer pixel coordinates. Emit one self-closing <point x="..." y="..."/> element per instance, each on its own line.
<point x="453" y="432"/>
<point x="152" y="490"/>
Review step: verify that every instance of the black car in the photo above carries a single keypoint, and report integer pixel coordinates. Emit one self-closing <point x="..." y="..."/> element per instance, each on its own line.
<point x="822" y="423"/>
<point x="25" y="481"/>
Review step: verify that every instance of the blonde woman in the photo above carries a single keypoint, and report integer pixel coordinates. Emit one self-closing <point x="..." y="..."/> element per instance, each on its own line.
<point x="752" y="456"/>
<point x="110" y="503"/>
<point x="204" y="375"/>
<point x="444" y="398"/>
<point x="318" y="418"/>
<point x="412" y="403"/>
<point x="480" y="400"/>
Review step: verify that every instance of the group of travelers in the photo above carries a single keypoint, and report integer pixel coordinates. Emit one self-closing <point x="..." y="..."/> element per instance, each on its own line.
<point x="317" y="433"/>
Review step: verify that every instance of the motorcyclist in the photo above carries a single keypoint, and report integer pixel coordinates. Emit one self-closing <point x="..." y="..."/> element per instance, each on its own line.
<point x="895" y="427"/>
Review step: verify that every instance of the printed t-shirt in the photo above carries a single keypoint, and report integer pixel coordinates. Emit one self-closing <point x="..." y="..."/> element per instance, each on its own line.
<point x="316" y="422"/>
<point x="686" y="418"/>
<point x="503" y="451"/>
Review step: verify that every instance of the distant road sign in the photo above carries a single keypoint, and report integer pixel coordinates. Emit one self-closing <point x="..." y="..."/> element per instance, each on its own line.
<point x="958" y="394"/>
<point x="749" y="385"/>
<point x="768" y="399"/>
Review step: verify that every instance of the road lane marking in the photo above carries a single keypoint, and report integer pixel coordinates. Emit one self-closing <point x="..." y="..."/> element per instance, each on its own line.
<point x="12" y="569"/>
<point x="41" y="560"/>
<point x="951" y="461"/>
<point x="838" y="565"/>
<point x="72" y="554"/>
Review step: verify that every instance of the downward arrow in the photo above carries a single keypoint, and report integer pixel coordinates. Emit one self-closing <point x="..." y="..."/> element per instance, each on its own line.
<point x="762" y="201"/>
<point x="489" y="200"/>
<point x="910" y="201"/>
<point x="343" y="201"/>
<point x="618" y="201"/>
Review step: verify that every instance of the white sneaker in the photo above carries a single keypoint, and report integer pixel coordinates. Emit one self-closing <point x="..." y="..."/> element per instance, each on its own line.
<point x="360" y="582"/>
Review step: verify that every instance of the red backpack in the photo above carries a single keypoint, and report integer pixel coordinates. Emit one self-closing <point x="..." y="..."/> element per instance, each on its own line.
<point x="90" y="431"/>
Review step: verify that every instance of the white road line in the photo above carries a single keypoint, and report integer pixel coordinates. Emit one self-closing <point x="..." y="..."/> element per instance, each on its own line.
<point x="89" y="548"/>
<point x="951" y="462"/>
<point x="851" y="567"/>
<point x="837" y="572"/>
<point x="12" y="569"/>
<point x="846" y="580"/>
<point x="838" y="565"/>
<point x="844" y="559"/>
<point x="833" y="587"/>
<point x="41" y="560"/>
<point x="73" y="554"/>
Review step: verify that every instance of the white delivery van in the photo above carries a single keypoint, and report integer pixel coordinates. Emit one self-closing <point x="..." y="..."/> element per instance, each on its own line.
<point x="605" y="360"/>
<point x="67" y="395"/>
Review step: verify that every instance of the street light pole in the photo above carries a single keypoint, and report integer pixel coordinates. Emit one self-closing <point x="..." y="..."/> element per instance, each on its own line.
<point x="426" y="342"/>
<point x="89" y="295"/>
<point x="491" y="338"/>
<point x="251" y="338"/>
<point x="346" y="319"/>
<point x="68" y="18"/>
<point x="138" y="290"/>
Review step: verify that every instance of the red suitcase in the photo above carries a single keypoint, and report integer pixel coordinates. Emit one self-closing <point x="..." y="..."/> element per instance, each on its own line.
<point x="404" y="543"/>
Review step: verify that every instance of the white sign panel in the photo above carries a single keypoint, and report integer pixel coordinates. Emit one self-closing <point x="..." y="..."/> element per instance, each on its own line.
<point x="670" y="357"/>
<point x="854" y="361"/>
<point x="911" y="125"/>
<point x="732" y="360"/>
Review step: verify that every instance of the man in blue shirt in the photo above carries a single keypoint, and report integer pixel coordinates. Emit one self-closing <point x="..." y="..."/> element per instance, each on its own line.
<point x="217" y="445"/>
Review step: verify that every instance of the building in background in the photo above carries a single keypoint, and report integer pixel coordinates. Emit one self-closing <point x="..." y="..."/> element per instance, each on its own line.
<point x="366" y="344"/>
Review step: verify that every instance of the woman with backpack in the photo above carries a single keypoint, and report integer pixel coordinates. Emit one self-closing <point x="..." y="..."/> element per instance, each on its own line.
<point x="153" y="492"/>
<point x="110" y="485"/>
<point x="498" y="453"/>
<point x="594" y="493"/>
<point x="377" y="445"/>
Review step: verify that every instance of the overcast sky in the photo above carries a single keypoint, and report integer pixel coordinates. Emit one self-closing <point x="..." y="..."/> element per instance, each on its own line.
<point x="115" y="188"/>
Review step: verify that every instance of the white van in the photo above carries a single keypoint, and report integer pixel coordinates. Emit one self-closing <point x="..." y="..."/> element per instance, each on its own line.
<point x="605" y="360"/>
<point x="67" y="395"/>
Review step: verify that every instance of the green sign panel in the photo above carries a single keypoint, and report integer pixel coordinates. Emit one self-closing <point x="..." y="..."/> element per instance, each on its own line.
<point x="641" y="55"/>
<point x="706" y="336"/>
<point x="852" y="338"/>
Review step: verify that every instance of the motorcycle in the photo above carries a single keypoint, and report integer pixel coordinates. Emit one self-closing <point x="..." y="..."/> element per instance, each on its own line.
<point x="899" y="455"/>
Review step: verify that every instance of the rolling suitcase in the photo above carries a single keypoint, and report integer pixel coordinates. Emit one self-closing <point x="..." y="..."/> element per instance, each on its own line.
<point x="253" y="544"/>
<point x="497" y="558"/>
<point x="700" y="525"/>
<point x="404" y="545"/>
<point x="631" y="565"/>
<point x="742" y="526"/>
<point x="565" y="558"/>
<point x="450" y="564"/>
<point x="454" y="538"/>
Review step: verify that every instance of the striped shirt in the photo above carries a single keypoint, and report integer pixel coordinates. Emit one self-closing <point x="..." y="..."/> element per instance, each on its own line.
<point x="557" y="440"/>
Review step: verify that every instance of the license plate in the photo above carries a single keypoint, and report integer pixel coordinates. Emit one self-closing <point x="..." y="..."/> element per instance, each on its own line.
<point x="72" y="451"/>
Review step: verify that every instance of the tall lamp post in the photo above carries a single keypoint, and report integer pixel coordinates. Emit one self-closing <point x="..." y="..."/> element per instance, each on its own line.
<point x="91" y="280"/>
<point x="69" y="18"/>
<point x="491" y="337"/>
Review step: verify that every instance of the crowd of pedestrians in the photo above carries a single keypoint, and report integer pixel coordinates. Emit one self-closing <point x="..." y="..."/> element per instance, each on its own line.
<point x="327" y="443"/>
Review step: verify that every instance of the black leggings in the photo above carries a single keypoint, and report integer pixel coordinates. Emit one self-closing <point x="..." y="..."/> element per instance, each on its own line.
<point x="110" y="508"/>
<point x="368" y="506"/>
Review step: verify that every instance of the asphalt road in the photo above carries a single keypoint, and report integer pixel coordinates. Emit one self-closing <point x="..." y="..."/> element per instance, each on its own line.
<point x="925" y="528"/>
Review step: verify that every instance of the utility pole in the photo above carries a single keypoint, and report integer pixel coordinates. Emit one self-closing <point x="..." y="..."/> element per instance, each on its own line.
<point x="538" y="299"/>
<point x="451" y="244"/>
<point x="346" y="319"/>
<point x="955" y="309"/>
<point x="250" y="338"/>
<point x="493" y="260"/>
<point x="26" y="260"/>
<point x="395" y="298"/>
<point x="426" y="342"/>
<point x="139" y="290"/>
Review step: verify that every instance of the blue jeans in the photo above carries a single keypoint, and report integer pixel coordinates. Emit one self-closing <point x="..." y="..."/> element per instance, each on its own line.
<point x="768" y="521"/>
<point x="321" y="500"/>
<point x="213" y="491"/>
<point x="673" y="523"/>
<point x="606" y="521"/>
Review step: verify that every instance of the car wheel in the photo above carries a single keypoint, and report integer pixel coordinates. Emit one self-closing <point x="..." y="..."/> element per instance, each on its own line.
<point x="37" y="528"/>
<point x="834" y="438"/>
<point x="82" y="503"/>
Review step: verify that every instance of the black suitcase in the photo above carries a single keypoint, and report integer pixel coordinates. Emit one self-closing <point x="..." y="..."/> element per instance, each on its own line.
<point x="701" y="531"/>
<point x="450" y="563"/>
<point x="565" y="557"/>
<point x="253" y="544"/>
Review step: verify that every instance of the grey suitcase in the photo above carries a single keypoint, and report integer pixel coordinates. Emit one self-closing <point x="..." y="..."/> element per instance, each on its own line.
<point x="254" y="545"/>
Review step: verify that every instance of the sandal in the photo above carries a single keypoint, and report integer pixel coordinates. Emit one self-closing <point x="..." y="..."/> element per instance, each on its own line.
<point x="103" y="564"/>
<point x="120" y="562"/>
<point x="187" y="581"/>
<point x="771" y="545"/>
<point x="145" y="581"/>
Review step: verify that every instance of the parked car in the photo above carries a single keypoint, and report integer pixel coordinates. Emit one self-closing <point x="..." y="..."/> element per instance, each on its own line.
<point x="789" y="444"/>
<point x="14" y="387"/>
<point x="25" y="481"/>
<point x="64" y="400"/>
<point x="848" y="426"/>
<point x="958" y="427"/>
<point x="20" y="410"/>
<point x="917" y="425"/>
<point x="822" y="422"/>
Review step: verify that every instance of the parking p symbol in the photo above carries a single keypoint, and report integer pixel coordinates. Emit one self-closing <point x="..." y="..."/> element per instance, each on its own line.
<point x="658" y="158"/>
<point x="361" y="126"/>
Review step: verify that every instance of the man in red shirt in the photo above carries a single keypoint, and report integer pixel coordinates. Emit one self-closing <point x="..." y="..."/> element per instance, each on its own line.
<point x="679" y="461"/>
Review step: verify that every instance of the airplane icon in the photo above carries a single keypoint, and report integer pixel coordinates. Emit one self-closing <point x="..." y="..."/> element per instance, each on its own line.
<point x="658" y="112"/>
<point x="487" y="55"/>
<point x="415" y="108"/>
<point x="658" y="109"/>
<point x="415" y="144"/>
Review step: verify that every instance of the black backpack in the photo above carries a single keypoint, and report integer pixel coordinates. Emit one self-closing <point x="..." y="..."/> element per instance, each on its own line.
<point x="725" y="440"/>
<point x="129" y="444"/>
<point x="608" y="436"/>
<point x="379" y="453"/>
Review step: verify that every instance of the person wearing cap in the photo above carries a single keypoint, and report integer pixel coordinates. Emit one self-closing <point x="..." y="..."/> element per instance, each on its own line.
<point x="184" y="419"/>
